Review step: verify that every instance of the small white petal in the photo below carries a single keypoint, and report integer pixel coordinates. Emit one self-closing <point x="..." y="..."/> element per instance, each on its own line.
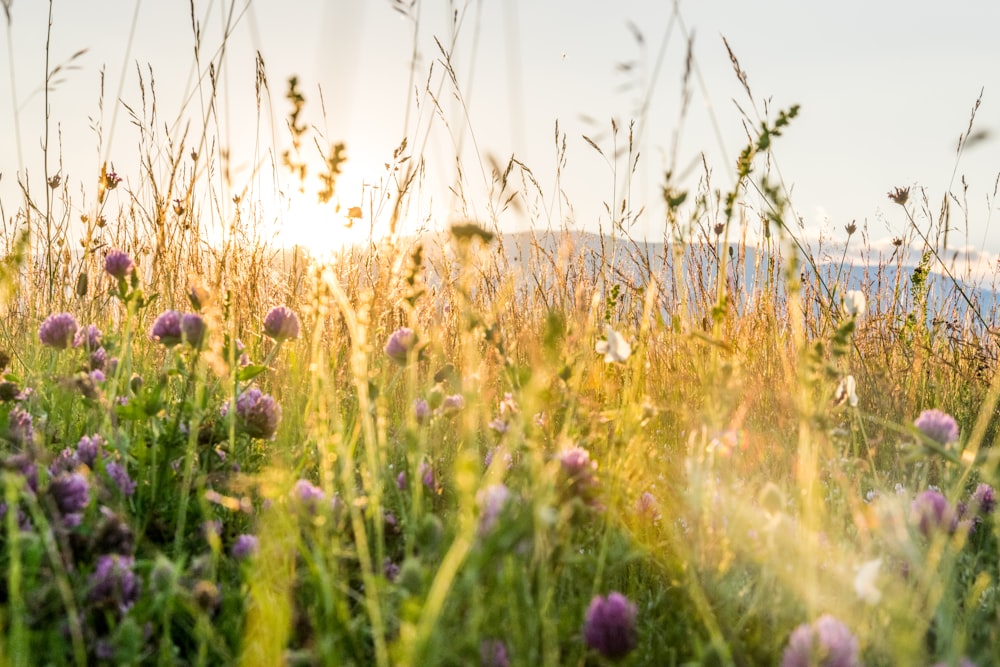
<point x="865" y="579"/>
<point x="855" y="303"/>
<point x="615" y="348"/>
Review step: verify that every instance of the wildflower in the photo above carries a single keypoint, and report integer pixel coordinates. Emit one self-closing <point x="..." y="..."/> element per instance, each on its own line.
<point x="499" y="425"/>
<point x="855" y="303"/>
<point x="846" y="392"/>
<point x="390" y="570"/>
<point x="88" y="448"/>
<point x="930" y="511"/>
<point x="615" y="348"/>
<point x="98" y="359"/>
<point x="491" y="501"/>
<point x="281" y="323"/>
<point x="401" y="481"/>
<point x="493" y="653"/>
<point x="71" y="493"/>
<point x="113" y="584"/>
<point x="825" y="643"/>
<point x="118" y="264"/>
<point x="245" y="546"/>
<point x="421" y="409"/>
<point x="193" y="328"/>
<point x="167" y="329"/>
<point x="66" y="461"/>
<point x="609" y="626"/>
<point x="453" y="403"/>
<point x="984" y="499"/>
<point x="307" y="492"/>
<point x="578" y="471"/>
<point x="58" y="330"/>
<point x="648" y="507"/>
<point x="119" y="476"/>
<point x="88" y="337"/>
<point x="938" y="426"/>
<point x="20" y="429"/>
<point x="257" y="413"/>
<point x="900" y="195"/>
<point x="400" y="343"/>
<point x="426" y="475"/>
<point x="23" y="464"/>
<point x="864" y="582"/>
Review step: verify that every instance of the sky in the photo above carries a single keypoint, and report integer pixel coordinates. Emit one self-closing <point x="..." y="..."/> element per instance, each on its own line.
<point x="885" y="91"/>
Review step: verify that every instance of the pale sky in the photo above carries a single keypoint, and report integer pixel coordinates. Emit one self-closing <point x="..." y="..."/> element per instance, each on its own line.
<point x="885" y="90"/>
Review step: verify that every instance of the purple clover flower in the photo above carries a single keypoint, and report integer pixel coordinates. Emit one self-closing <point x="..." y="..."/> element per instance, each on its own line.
<point x="453" y="403"/>
<point x="88" y="448"/>
<point x="257" y="413"/>
<point x="609" y="626"/>
<point x="167" y="329"/>
<point x="390" y="570"/>
<point x="491" y="501"/>
<point x="421" y="409"/>
<point x="281" y="323"/>
<point x="578" y="472"/>
<point x="113" y="583"/>
<point x="426" y="475"/>
<point x="88" y="337"/>
<point x="71" y="492"/>
<point x="984" y="499"/>
<point x="493" y="653"/>
<point x="825" y="643"/>
<point x="308" y="493"/>
<point x="930" y="511"/>
<point x="245" y="546"/>
<point x="98" y="359"/>
<point x="193" y="328"/>
<point x="399" y="344"/>
<point x="938" y="426"/>
<point x="20" y="428"/>
<point x="58" y="330"/>
<point x="119" y="476"/>
<point x="118" y="264"/>
<point x="401" y="481"/>
<point x="66" y="461"/>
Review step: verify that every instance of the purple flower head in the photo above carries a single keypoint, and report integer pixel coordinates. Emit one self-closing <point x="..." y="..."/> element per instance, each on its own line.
<point x="167" y="329"/>
<point x="390" y="570"/>
<point x="99" y="359"/>
<point x="825" y="643"/>
<point x="648" y="507"/>
<point x="119" y="476"/>
<point x="493" y="653"/>
<point x="491" y="501"/>
<point x="506" y="457"/>
<point x="118" y="264"/>
<point x="194" y="328"/>
<point x="257" y="414"/>
<point x="70" y="491"/>
<point x="308" y="493"/>
<point x="88" y="448"/>
<point x="453" y="403"/>
<point x="421" y="409"/>
<point x="938" y="426"/>
<point x="245" y="546"/>
<point x="113" y="583"/>
<point x="609" y="627"/>
<point x="20" y="429"/>
<point x="66" y="461"/>
<point x="427" y="475"/>
<point x="281" y="323"/>
<point x="400" y="343"/>
<point x="930" y="511"/>
<point x="401" y="481"/>
<point x="58" y="330"/>
<point x="984" y="499"/>
<point x="25" y="465"/>
<point x="578" y="472"/>
<point x="88" y="337"/>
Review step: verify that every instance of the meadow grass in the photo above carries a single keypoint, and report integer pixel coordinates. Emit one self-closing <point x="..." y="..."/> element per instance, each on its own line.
<point x="469" y="447"/>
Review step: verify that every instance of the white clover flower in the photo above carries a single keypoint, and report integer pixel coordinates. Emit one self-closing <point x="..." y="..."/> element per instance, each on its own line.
<point x="865" y="579"/>
<point x="855" y="303"/>
<point x="847" y="392"/>
<point x="615" y="348"/>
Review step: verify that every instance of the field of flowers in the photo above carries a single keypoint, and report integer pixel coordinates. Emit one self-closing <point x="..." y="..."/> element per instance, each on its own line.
<point x="425" y="451"/>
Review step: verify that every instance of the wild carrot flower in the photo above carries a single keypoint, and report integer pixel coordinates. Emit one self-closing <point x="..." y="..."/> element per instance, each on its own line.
<point x="257" y="413"/>
<point x="167" y="329"/>
<point x="399" y="344"/>
<point x="113" y="583"/>
<point x="855" y="303"/>
<point x="938" y="426"/>
<point x="118" y="264"/>
<point x="58" y="330"/>
<point x="609" y="626"/>
<point x="193" y="327"/>
<point x="825" y="643"/>
<point x="281" y="323"/>
<point x="245" y="546"/>
<point x="615" y="348"/>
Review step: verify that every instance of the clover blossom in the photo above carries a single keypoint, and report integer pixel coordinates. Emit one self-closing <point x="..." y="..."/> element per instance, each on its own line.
<point x="609" y="626"/>
<point x="281" y="323"/>
<point x="58" y="330"/>
<point x="825" y="643"/>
